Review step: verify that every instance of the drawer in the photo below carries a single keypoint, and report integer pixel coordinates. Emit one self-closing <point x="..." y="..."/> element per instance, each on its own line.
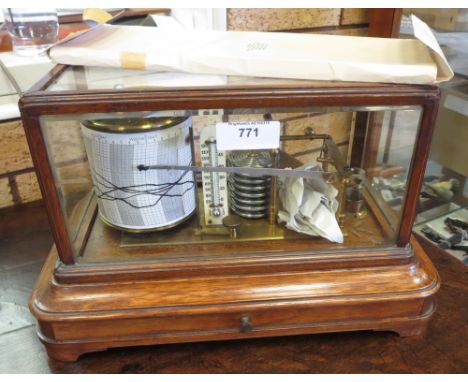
<point x="247" y="322"/>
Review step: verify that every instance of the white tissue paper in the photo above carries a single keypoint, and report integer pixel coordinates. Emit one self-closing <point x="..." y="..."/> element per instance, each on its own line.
<point x="309" y="206"/>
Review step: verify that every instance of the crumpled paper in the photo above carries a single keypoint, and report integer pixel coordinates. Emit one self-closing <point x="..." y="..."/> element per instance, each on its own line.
<point x="308" y="206"/>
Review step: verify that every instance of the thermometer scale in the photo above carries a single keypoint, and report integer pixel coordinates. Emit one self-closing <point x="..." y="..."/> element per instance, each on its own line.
<point x="215" y="198"/>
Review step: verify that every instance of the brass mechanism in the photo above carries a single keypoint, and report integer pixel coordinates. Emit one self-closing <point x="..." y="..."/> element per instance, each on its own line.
<point x="232" y="222"/>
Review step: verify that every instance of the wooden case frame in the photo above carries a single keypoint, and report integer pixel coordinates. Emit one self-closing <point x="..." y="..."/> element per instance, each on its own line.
<point x="89" y="308"/>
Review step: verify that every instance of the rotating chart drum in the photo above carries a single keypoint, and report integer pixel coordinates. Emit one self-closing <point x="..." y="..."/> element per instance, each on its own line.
<point x="133" y="200"/>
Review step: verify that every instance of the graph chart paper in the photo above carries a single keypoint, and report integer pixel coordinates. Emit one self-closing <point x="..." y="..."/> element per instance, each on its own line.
<point x="133" y="199"/>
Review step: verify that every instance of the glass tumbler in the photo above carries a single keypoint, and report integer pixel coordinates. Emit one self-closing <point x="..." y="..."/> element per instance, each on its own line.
<point x="32" y="30"/>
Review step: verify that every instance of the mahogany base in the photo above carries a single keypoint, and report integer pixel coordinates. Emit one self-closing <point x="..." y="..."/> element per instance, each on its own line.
<point x="86" y="317"/>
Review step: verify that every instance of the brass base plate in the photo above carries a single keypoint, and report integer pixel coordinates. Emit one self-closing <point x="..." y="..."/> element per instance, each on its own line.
<point x="191" y="232"/>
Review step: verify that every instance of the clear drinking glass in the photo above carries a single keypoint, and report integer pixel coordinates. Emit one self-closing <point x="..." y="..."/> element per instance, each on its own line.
<point x="32" y="30"/>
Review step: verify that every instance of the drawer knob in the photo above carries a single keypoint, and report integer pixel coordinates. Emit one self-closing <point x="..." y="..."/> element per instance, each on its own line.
<point x="245" y="324"/>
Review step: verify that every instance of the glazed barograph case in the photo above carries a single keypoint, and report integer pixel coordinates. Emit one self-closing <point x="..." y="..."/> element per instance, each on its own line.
<point x="246" y="196"/>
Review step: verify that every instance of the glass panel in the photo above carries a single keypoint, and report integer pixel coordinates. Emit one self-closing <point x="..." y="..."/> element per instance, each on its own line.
<point x="67" y="155"/>
<point x="390" y="142"/>
<point x="142" y="173"/>
<point x="79" y="78"/>
<point x="92" y="78"/>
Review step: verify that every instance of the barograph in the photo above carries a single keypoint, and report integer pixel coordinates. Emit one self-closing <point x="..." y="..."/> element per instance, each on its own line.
<point x="233" y="208"/>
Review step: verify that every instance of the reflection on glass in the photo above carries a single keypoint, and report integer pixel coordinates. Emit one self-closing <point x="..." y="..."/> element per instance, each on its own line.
<point x="388" y="158"/>
<point x="67" y="154"/>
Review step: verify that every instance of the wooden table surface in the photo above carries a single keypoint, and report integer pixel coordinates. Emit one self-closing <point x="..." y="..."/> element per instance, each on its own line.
<point x="25" y="240"/>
